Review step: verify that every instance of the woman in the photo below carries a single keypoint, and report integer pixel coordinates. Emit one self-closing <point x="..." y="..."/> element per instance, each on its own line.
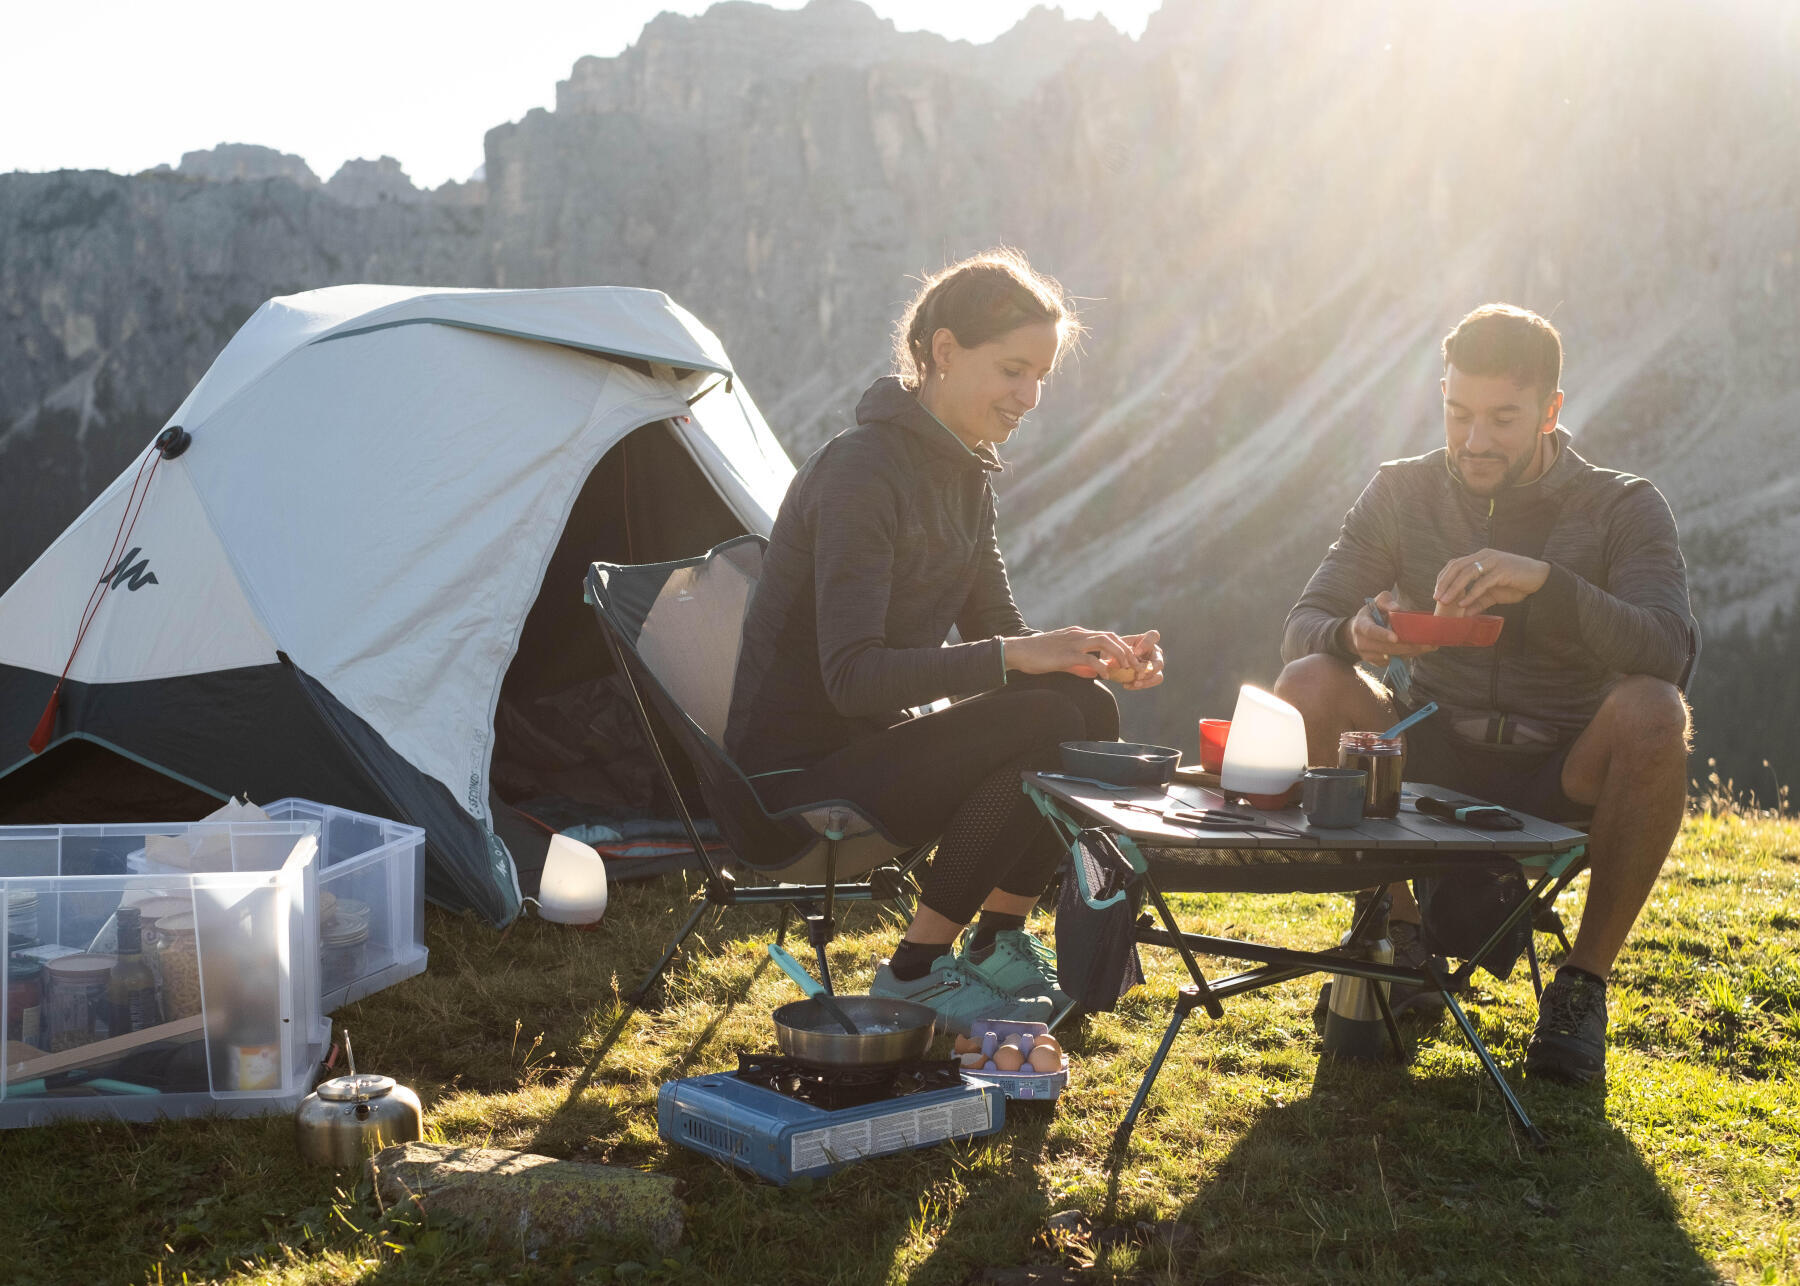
<point x="886" y="540"/>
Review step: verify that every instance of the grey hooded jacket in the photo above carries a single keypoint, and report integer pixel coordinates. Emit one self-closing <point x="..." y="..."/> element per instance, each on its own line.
<point x="1616" y="602"/>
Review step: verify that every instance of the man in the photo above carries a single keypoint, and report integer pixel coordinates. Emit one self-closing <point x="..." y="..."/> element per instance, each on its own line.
<point x="1578" y="710"/>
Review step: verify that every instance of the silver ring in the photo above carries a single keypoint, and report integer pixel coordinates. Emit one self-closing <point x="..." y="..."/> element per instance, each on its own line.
<point x="1478" y="570"/>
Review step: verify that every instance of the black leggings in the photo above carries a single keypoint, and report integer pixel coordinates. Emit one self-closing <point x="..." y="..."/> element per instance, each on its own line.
<point x="953" y="775"/>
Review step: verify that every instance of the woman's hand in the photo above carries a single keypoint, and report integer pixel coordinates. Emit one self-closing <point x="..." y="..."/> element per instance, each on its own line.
<point x="1072" y="650"/>
<point x="1149" y="656"/>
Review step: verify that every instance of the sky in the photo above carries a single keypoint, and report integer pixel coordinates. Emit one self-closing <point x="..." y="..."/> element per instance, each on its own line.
<point x="124" y="86"/>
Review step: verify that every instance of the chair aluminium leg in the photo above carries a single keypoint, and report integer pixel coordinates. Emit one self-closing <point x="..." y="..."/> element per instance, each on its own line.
<point x="648" y="727"/>
<point x="635" y="997"/>
<point x="822" y="928"/>
<point x="819" y="933"/>
<point x="634" y="1000"/>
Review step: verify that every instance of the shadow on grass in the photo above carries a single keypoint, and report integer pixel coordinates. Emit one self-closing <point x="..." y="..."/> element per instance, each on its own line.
<point x="1001" y="1208"/>
<point x="1381" y="1173"/>
<point x="685" y="1062"/>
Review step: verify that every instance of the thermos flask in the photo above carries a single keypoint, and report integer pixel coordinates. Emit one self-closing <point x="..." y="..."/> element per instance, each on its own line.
<point x="1354" y="1027"/>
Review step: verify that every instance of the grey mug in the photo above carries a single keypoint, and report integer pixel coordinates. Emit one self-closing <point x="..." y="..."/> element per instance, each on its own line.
<point x="1333" y="797"/>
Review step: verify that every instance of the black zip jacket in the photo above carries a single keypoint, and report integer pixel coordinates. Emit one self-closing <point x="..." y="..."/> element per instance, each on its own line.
<point x="884" y="541"/>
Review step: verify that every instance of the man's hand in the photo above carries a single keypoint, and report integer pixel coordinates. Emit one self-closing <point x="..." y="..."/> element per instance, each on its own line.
<point x="1072" y="649"/>
<point x="1487" y="577"/>
<point x="1373" y="643"/>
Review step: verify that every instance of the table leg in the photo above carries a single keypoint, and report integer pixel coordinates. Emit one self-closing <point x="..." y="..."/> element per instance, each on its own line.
<point x="1527" y="905"/>
<point x="1203" y="993"/>
<point x="1186" y="1001"/>
<point x="1393" y="1028"/>
<point x="1487" y="1061"/>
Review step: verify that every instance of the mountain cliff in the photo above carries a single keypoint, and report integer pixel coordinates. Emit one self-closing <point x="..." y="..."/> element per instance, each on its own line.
<point x="1272" y="209"/>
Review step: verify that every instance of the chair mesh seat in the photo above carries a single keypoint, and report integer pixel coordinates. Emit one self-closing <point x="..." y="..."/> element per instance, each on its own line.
<point x="677" y="627"/>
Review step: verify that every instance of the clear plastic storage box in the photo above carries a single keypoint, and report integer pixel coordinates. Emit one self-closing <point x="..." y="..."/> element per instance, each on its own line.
<point x="160" y="970"/>
<point x="371" y="899"/>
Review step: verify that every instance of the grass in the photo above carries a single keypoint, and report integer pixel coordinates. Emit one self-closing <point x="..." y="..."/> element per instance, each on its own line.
<point x="1255" y="1162"/>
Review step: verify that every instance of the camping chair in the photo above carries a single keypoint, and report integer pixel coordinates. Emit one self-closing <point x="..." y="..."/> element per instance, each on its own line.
<point x="673" y="630"/>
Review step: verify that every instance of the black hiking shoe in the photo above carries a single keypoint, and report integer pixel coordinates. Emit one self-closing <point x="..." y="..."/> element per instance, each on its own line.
<point x="1569" y="1044"/>
<point x="1403" y="998"/>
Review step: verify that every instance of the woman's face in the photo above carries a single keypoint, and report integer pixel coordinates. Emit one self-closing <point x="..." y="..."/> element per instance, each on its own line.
<point x="982" y="393"/>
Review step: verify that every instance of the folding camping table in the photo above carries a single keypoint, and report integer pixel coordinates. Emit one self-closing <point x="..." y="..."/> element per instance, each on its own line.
<point x="1117" y="846"/>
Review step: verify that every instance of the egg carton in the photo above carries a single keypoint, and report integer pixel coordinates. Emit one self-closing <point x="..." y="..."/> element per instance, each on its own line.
<point x="1024" y="1084"/>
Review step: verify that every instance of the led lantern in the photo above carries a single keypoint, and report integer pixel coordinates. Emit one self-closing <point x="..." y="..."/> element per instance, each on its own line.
<point x="1266" y="753"/>
<point x="573" y="890"/>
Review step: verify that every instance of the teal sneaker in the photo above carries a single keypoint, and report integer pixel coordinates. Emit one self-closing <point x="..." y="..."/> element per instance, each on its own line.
<point x="959" y="996"/>
<point x="1022" y="966"/>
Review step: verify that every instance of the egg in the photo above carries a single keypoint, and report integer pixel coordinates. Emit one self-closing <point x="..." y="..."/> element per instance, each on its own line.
<point x="965" y="1045"/>
<point x="1046" y="1058"/>
<point x="974" y="1059"/>
<point x="1046" y="1040"/>
<point x="1008" y="1058"/>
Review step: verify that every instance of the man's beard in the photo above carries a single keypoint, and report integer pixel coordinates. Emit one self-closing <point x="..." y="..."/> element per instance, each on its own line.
<point x="1514" y="471"/>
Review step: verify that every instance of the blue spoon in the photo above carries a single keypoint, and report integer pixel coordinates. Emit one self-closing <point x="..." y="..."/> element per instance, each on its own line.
<point x="1429" y="708"/>
<point x="811" y="986"/>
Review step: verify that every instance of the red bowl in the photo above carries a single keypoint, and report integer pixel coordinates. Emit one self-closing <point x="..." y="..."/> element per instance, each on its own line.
<point x="1446" y="631"/>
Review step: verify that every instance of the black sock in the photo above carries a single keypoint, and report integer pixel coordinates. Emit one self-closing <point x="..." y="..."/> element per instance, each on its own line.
<point x="1581" y="973"/>
<point x="913" y="959"/>
<point x="989" y="926"/>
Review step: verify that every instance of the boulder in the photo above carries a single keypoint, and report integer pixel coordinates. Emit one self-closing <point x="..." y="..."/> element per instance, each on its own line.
<point x="520" y="1197"/>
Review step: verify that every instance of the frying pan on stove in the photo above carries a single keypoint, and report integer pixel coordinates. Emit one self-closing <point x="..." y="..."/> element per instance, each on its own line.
<point x="887" y="1031"/>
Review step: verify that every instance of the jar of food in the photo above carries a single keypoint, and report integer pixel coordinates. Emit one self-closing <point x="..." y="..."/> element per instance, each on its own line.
<point x="21" y="916"/>
<point x="153" y="909"/>
<point x="24" y="999"/>
<point x="343" y="944"/>
<point x="75" y="996"/>
<point x="1384" y="760"/>
<point x="174" y="949"/>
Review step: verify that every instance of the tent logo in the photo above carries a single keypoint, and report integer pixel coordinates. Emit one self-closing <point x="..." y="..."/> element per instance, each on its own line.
<point x="133" y="576"/>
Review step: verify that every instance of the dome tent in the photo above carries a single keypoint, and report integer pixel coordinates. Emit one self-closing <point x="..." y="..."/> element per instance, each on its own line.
<point x="319" y="586"/>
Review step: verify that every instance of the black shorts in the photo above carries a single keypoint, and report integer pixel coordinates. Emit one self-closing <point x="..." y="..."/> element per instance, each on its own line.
<point x="1526" y="778"/>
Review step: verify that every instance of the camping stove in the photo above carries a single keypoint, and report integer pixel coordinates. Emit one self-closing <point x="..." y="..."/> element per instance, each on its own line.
<point x="785" y="1119"/>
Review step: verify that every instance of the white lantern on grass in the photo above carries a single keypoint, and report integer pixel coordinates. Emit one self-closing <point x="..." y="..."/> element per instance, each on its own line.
<point x="573" y="890"/>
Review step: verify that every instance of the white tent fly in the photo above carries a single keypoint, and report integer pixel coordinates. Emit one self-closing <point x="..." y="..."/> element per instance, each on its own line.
<point x="316" y="579"/>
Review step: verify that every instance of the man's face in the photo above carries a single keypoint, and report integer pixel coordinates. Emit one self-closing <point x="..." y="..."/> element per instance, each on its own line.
<point x="1494" y="429"/>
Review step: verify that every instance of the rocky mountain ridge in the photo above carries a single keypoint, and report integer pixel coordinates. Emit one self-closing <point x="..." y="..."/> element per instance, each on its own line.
<point x="1272" y="211"/>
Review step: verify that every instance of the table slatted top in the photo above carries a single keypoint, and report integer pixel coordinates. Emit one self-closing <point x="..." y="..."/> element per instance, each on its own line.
<point x="1411" y="830"/>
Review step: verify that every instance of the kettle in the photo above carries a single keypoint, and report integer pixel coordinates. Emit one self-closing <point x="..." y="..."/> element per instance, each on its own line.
<point x="350" y="1117"/>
